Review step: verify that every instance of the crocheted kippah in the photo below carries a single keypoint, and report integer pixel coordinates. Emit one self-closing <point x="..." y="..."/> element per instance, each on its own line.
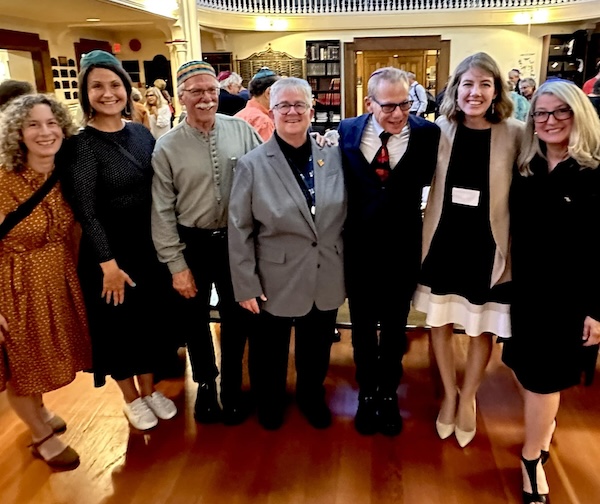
<point x="192" y="68"/>
<point x="264" y="72"/>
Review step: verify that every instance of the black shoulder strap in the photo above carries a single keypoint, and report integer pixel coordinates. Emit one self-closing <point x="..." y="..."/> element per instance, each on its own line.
<point x="112" y="142"/>
<point x="25" y="208"/>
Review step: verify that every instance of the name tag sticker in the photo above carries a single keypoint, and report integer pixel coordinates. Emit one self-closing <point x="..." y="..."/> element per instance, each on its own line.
<point x="467" y="197"/>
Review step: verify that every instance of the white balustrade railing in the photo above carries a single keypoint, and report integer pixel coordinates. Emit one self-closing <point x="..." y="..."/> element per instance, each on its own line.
<point x="334" y="6"/>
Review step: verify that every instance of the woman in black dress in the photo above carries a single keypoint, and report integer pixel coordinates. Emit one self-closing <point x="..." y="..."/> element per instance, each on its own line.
<point x="466" y="271"/>
<point x="555" y="213"/>
<point x="124" y="285"/>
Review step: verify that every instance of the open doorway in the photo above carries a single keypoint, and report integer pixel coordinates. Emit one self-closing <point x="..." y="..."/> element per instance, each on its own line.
<point x="428" y="57"/>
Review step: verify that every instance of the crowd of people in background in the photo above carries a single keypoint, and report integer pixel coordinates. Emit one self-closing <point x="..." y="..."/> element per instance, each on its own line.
<point x="104" y="226"/>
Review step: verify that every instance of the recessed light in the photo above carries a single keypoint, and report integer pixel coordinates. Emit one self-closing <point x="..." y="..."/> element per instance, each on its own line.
<point x="92" y="20"/>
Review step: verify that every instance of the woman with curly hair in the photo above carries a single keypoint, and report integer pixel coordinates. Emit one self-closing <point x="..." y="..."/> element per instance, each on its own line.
<point x="43" y="330"/>
<point x="466" y="269"/>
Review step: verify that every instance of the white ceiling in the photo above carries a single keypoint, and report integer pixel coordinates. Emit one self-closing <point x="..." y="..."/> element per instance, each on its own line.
<point x="73" y="12"/>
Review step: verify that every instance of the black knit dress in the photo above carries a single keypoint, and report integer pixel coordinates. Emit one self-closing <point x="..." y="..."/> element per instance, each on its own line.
<point x="555" y="218"/>
<point x="110" y="187"/>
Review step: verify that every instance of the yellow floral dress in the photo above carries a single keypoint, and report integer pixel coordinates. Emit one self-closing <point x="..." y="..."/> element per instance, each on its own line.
<point x="40" y="296"/>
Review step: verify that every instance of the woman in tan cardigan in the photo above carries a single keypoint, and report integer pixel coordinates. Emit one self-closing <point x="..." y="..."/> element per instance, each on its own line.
<point x="466" y="267"/>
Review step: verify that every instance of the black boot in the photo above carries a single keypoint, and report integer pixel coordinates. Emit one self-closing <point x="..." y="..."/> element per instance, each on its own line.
<point x="207" y="409"/>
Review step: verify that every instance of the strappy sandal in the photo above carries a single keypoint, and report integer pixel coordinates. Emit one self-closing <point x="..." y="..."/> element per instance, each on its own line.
<point x="545" y="456"/>
<point x="66" y="460"/>
<point x="531" y="471"/>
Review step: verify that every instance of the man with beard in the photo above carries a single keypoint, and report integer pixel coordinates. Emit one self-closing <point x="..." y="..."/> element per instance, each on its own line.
<point x="193" y="171"/>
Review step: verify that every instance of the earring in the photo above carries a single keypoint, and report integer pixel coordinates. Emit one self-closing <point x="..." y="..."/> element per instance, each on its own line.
<point x="127" y="110"/>
<point x="493" y="108"/>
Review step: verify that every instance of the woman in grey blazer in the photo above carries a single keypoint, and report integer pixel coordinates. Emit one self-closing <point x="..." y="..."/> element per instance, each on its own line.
<point x="286" y="215"/>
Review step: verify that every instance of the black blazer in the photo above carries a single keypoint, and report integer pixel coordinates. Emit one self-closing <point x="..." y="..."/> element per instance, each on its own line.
<point x="379" y="219"/>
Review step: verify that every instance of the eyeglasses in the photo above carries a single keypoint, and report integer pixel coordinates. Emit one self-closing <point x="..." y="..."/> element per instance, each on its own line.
<point x="561" y="114"/>
<point x="388" y="108"/>
<point x="196" y="93"/>
<point x="284" y="108"/>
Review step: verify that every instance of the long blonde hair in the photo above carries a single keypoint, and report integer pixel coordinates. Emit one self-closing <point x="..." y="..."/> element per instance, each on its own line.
<point x="160" y="101"/>
<point x="584" y="141"/>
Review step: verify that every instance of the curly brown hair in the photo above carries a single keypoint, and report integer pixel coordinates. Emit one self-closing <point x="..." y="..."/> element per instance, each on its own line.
<point x="13" y="153"/>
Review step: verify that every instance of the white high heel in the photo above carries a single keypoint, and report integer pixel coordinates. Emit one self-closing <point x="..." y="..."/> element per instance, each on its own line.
<point x="465" y="437"/>
<point x="444" y="430"/>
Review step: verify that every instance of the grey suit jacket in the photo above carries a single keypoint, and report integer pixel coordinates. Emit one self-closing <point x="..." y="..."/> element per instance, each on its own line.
<point x="275" y="246"/>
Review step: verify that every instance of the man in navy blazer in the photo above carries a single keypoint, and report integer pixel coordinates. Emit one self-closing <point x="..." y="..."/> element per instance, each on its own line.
<point x="382" y="238"/>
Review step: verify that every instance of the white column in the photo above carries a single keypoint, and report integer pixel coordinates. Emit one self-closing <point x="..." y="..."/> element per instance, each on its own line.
<point x="188" y="21"/>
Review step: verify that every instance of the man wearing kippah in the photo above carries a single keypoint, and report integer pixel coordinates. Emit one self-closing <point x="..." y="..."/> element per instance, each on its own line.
<point x="230" y="102"/>
<point x="256" y="111"/>
<point x="193" y="171"/>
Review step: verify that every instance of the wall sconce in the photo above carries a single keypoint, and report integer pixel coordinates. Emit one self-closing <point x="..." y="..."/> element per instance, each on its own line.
<point x="266" y="24"/>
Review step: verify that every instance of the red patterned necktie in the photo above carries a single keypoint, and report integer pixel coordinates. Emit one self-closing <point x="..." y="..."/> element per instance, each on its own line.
<point x="381" y="161"/>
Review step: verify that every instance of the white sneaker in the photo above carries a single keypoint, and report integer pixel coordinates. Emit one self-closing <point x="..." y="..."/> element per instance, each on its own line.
<point x="140" y="415"/>
<point x="161" y="406"/>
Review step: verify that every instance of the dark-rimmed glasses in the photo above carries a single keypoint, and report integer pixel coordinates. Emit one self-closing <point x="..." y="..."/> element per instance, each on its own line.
<point x="388" y="108"/>
<point x="561" y="114"/>
<point x="284" y="108"/>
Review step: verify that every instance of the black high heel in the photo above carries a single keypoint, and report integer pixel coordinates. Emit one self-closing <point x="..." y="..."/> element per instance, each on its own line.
<point x="545" y="454"/>
<point x="531" y="469"/>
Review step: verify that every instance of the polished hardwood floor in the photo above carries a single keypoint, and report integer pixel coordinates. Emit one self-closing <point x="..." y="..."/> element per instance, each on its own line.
<point x="182" y="462"/>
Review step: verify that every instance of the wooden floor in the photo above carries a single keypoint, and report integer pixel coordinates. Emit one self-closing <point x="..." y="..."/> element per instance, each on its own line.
<point x="182" y="462"/>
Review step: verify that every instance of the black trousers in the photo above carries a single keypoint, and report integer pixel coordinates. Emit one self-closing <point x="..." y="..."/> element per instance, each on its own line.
<point x="268" y="356"/>
<point x="378" y="358"/>
<point x="208" y="259"/>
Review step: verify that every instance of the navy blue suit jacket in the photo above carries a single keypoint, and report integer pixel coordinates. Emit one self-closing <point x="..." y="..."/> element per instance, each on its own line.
<point x="383" y="228"/>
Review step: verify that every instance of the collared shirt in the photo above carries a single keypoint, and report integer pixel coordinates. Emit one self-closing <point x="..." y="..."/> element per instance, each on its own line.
<point x="418" y="95"/>
<point x="193" y="173"/>
<point x="370" y="142"/>
<point x="258" y="117"/>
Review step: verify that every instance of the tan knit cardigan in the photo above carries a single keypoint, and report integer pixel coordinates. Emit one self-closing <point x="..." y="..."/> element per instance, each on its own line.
<point x="505" y="145"/>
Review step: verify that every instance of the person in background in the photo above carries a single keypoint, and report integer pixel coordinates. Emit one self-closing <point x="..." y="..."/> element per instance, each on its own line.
<point x="588" y="85"/>
<point x="193" y="172"/>
<point x="256" y="111"/>
<point x="44" y="338"/>
<point x="388" y="157"/>
<point x="594" y="96"/>
<point x="555" y="210"/>
<point x="514" y="76"/>
<point x="161" y="85"/>
<point x="139" y="113"/>
<point x="230" y="102"/>
<point x="286" y="216"/>
<point x="158" y="112"/>
<point x="466" y="268"/>
<point x="125" y="287"/>
<point x="11" y="89"/>
<point x="418" y="96"/>
<point x="520" y="103"/>
<point x="527" y="87"/>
